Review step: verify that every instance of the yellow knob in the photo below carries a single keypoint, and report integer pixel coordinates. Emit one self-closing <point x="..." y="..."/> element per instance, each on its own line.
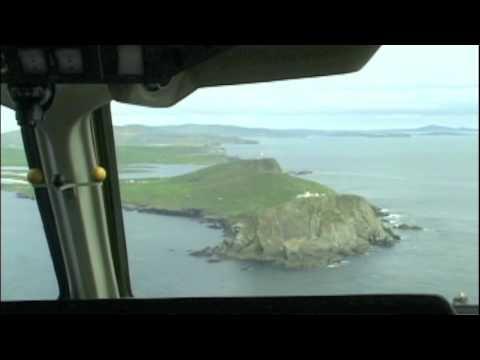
<point x="35" y="176"/>
<point x="99" y="174"/>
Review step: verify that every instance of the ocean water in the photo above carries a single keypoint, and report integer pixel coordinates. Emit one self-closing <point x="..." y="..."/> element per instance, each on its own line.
<point x="430" y="181"/>
<point x="145" y="171"/>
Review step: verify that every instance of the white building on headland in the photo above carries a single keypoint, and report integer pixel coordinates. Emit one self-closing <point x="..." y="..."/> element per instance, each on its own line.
<point x="308" y="194"/>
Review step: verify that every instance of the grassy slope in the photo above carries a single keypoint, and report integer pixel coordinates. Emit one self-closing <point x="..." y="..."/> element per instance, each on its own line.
<point x="126" y="155"/>
<point x="225" y="189"/>
<point x="240" y="186"/>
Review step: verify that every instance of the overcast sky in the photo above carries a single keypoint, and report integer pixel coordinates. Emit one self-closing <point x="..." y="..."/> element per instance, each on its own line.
<point x="401" y="86"/>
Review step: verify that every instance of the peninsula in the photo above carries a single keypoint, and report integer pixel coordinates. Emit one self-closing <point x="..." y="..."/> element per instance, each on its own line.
<point x="265" y="213"/>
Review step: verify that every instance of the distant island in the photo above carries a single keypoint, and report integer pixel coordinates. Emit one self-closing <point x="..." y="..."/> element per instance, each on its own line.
<point x="228" y="134"/>
<point x="216" y="135"/>
<point x="203" y="144"/>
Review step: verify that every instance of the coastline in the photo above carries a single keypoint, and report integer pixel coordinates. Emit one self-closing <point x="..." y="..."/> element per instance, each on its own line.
<point x="219" y="222"/>
<point x="199" y="215"/>
<point x="223" y="250"/>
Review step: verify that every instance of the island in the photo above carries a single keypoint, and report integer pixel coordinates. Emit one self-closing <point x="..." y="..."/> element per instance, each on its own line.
<point x="266" y="214"/>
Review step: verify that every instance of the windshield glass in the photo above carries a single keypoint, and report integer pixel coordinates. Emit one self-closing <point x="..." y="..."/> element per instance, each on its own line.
<point x="26" y="267"/>
<point x="352" y="184"/>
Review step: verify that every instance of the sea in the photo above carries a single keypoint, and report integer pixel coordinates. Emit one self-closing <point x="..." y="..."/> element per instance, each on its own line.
<point x="429" y="181"/>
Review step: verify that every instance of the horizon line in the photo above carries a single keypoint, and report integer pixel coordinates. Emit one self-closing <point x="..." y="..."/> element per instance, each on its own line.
<point x="299" y="129"/>
<point x="288" y="129"/>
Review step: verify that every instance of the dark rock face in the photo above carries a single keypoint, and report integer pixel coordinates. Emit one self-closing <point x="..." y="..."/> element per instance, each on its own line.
<point x="407" y="227"/>
<point x="303" y="232"/>
<point x="190" y="213"/>
<point x="379" y="212"/>
<point x="206" y="252"/>
<point x="307" y="232"/>
<point x="391" y="233"/>
<point x="211" y="253"/>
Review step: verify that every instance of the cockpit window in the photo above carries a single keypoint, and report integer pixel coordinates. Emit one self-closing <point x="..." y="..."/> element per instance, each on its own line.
<point x="26" y="267"/>
<point x="353" y="184"/>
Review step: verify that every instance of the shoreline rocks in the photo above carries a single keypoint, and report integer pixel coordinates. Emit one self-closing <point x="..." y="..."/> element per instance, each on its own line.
<point x="189" y="213"/>
<point x="386" y="217"/>
<point x="205" y="252"/>
<point x="407" y="227"/>
<point x="305" y="233"/>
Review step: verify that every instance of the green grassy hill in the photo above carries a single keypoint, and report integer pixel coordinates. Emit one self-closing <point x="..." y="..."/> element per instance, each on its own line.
<point x="232" y="188"/>
<point x="214" y="135"/>
<point x="143" y="144"/>
<point x="225" y="189"/>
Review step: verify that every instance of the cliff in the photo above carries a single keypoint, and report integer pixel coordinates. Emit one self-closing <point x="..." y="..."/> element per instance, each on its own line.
<point x="306" y="232"/>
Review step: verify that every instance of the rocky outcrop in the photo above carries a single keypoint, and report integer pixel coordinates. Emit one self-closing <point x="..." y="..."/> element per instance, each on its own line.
<point x="385" y="216"/>
<point x="206" y="252"/>
<point x="306" y="232"/>
<point x="407" y="227"/>
<point x="189" y="213"/>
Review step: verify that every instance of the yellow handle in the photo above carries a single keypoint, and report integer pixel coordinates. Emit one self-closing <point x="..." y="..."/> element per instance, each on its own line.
<point x="35" y="176"/>
<point x="99" y="174"/>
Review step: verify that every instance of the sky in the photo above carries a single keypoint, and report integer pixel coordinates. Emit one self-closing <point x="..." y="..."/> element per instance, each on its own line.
<point x="401" y="86"/>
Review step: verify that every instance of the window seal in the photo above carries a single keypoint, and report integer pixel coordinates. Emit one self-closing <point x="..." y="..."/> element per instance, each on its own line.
<point x="103" y="135"/>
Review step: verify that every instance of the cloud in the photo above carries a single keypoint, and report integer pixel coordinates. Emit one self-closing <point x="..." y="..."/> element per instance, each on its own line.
<point x="457" y="100"/>
<point x="401" y="84"/>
